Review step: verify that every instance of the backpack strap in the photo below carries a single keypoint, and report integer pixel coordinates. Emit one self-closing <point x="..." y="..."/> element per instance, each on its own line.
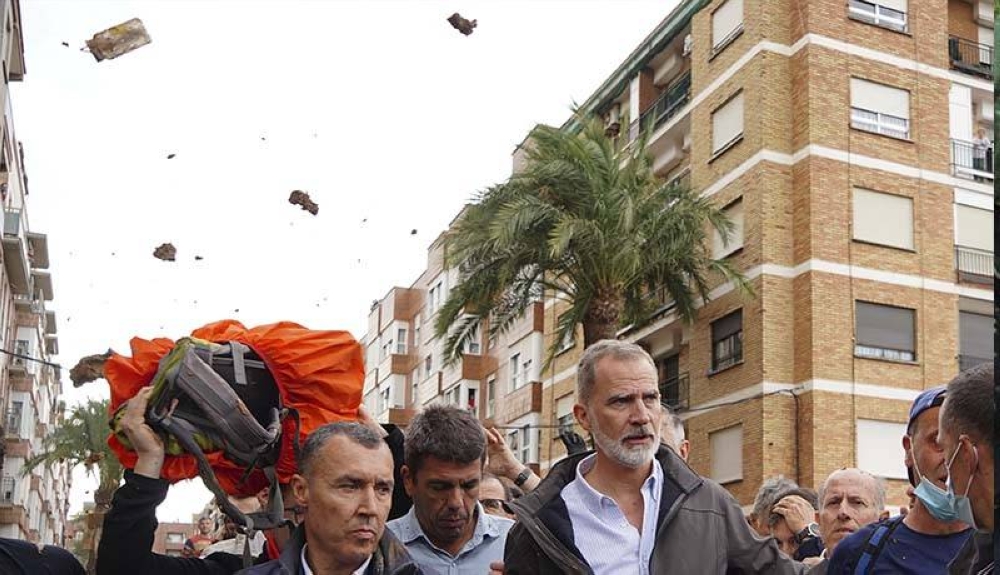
<point x="874" y="545"/>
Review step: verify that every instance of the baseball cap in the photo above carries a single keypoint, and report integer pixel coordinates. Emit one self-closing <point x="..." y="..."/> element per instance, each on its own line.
<point x="927" y="399"/>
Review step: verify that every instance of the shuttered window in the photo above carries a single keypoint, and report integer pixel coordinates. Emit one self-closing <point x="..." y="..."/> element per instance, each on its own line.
<point x="727" y="23"/>
<point x="880" y="108"/>
<point x="734" y="212"/>
<point x="727" y="454"/>
<point x="885" y="332"/>
<point x="727" y="340"/>
<point x="727" y="123"/>
<point x="884" y="219"/>
<point x="973" y="227"/>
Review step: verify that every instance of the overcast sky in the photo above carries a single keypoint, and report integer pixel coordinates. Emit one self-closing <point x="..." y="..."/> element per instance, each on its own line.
<point x="378" y="109"/>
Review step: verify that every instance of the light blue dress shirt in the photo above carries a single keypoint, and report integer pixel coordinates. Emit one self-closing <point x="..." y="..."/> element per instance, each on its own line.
<point x="485" y="546"/>
<point x="602" y="533"/>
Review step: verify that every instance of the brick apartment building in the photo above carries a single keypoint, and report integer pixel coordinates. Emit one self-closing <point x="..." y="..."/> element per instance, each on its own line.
<point x="837" y="135"/>
<point x="169" y="538"/>
<point x="32" y="506"/>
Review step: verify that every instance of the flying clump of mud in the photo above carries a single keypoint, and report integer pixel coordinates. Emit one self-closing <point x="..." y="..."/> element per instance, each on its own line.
<point x="300" y="198"/>
<point x="90" y="368"/>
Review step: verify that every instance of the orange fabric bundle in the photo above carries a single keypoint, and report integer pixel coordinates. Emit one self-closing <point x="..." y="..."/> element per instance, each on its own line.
<point x="318" y="373"/>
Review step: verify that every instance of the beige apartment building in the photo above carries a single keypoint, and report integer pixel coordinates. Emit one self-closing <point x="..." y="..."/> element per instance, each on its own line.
<point x="840" y="137"/>
<point x="32" y="506"/>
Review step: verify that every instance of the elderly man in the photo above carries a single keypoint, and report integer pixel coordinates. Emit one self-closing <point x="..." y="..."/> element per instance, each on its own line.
<point x="966" y="435"/>
<point x="345" y="483"/>
<point x="672" y="434"/>
<point x="633" y="506"/>
<point x="447" y="530"/>
<point x="849" y="499"/>
<point x="495" y="496"/>
<point x="764" y="500"/>
<point x="926" y="539"/>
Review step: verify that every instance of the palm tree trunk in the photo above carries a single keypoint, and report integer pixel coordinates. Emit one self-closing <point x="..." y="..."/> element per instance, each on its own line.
<point x="603" y="318"/>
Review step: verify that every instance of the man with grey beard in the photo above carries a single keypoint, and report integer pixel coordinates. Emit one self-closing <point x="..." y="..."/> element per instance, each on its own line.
<point x="632" y="506"/>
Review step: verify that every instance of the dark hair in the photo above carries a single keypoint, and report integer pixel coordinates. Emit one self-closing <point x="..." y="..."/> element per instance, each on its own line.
<point x="356" y="432"/>
<point x="444" y="432"/>
<point x="968" y="405"/>
<point x="804" y="492"/>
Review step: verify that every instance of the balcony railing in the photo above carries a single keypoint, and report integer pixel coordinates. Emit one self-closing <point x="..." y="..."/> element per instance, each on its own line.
<point x="971" y="160"/>
<point x="665" y="107"/>
<point x="969" y="361"/>
<point x="975" y="263"/>
<point x="971" y="57"/>
<point x="675" y="391"/>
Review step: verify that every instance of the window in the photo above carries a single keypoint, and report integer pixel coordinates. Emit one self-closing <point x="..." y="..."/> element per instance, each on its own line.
<point x="524" y="455"/>
<point x="973" y="228"/>
<point x="889" y="14"/>
<point x="526" y="370"/>
<point x="975" y="339"/>
<point x="727" y="454"/>
<point x="883" y="219"/>
<point x="416" y="329"/>
<point x="564" y="411"/>
<point x="434" y="298"/>
<point x="15" y="415"/>
<point x="727" y="24"/>
<point x="470" y="403"/>
<point x="878" y="448"/>
<point x="414" y="385"/>
<point x="721" y="249"/>
<point x="401" y="341"/>
<point x="385" y="400"/>
<point x="454" y="395"/>
<point x="727" y="124"/>
<point x="491" y="392"/>
<point x="568" y="342"/>
<point x="516" y="380"/>
<point x="428" y="365"/>
<point x="514" y="441"/>
<point x="880" y="109"/>
<point x="385" y="351"/>
<point x="472" y="346"/>
<point x="727" y="341"/>
<point x="884" y="332"/>
<point x="7" y="488"/>
<point x="175" y="538"/>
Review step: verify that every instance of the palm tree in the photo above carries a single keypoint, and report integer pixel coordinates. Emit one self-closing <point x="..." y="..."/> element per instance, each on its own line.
<point x="82" y="440"/>
<point x="590" y="223"/>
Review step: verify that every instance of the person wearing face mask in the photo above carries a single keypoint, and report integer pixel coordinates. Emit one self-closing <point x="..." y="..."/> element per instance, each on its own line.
<point x="926" y="539"/>
<point x="966" y="433"/>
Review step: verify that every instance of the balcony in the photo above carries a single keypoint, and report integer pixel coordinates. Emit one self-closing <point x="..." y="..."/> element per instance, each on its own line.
<point x="676" y="391"/>
<point x="974" y="265"/>
<point x="969" y="162"/>
<point x="673" y="99"/>
<point x="15" y="252"/>
<point x="969" y="361"/>
<point x="971" y="57"/>
<point x="38" y="249"/>
<point x="43" y="284"/>
<point x="522" y="401"/>
<point x="51" y="344"/>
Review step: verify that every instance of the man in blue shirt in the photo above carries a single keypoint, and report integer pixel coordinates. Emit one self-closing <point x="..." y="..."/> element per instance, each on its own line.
<point x="447" y="531"/>
<point x="920" y="542"/>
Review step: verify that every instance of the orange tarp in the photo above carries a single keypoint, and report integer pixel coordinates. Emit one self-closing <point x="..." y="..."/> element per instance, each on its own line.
<point x="319" y="373"/>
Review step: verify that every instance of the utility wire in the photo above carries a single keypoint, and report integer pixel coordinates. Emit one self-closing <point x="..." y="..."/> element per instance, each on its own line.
<point x="29" y="358"/>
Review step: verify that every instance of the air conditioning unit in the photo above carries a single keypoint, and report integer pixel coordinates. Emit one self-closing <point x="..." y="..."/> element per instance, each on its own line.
<point x="613" y="125"/>
<point x="688" y="43"/>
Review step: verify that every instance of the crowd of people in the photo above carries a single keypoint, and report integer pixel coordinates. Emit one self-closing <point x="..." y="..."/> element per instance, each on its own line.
<point x="449" y="497"/>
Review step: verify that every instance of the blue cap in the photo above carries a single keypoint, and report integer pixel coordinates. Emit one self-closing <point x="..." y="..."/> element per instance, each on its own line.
<point x="927" y="399"/>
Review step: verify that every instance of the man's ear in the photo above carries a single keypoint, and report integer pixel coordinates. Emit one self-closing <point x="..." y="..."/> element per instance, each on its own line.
<point x="581" y="415"/>
<point x="409" y="480"/>
<point x="907" y="451"/>
<point x="300" y="490"/>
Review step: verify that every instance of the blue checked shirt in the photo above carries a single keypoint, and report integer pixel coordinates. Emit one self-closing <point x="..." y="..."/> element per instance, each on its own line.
<point x="609" y="543"/>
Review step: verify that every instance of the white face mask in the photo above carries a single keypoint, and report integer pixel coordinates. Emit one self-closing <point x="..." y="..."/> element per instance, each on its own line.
<point x="963" y="505"/>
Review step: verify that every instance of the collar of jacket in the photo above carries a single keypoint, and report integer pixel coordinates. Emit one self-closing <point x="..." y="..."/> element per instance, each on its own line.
<point x="390" y="556"/>
<point x="544" y="513"/>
